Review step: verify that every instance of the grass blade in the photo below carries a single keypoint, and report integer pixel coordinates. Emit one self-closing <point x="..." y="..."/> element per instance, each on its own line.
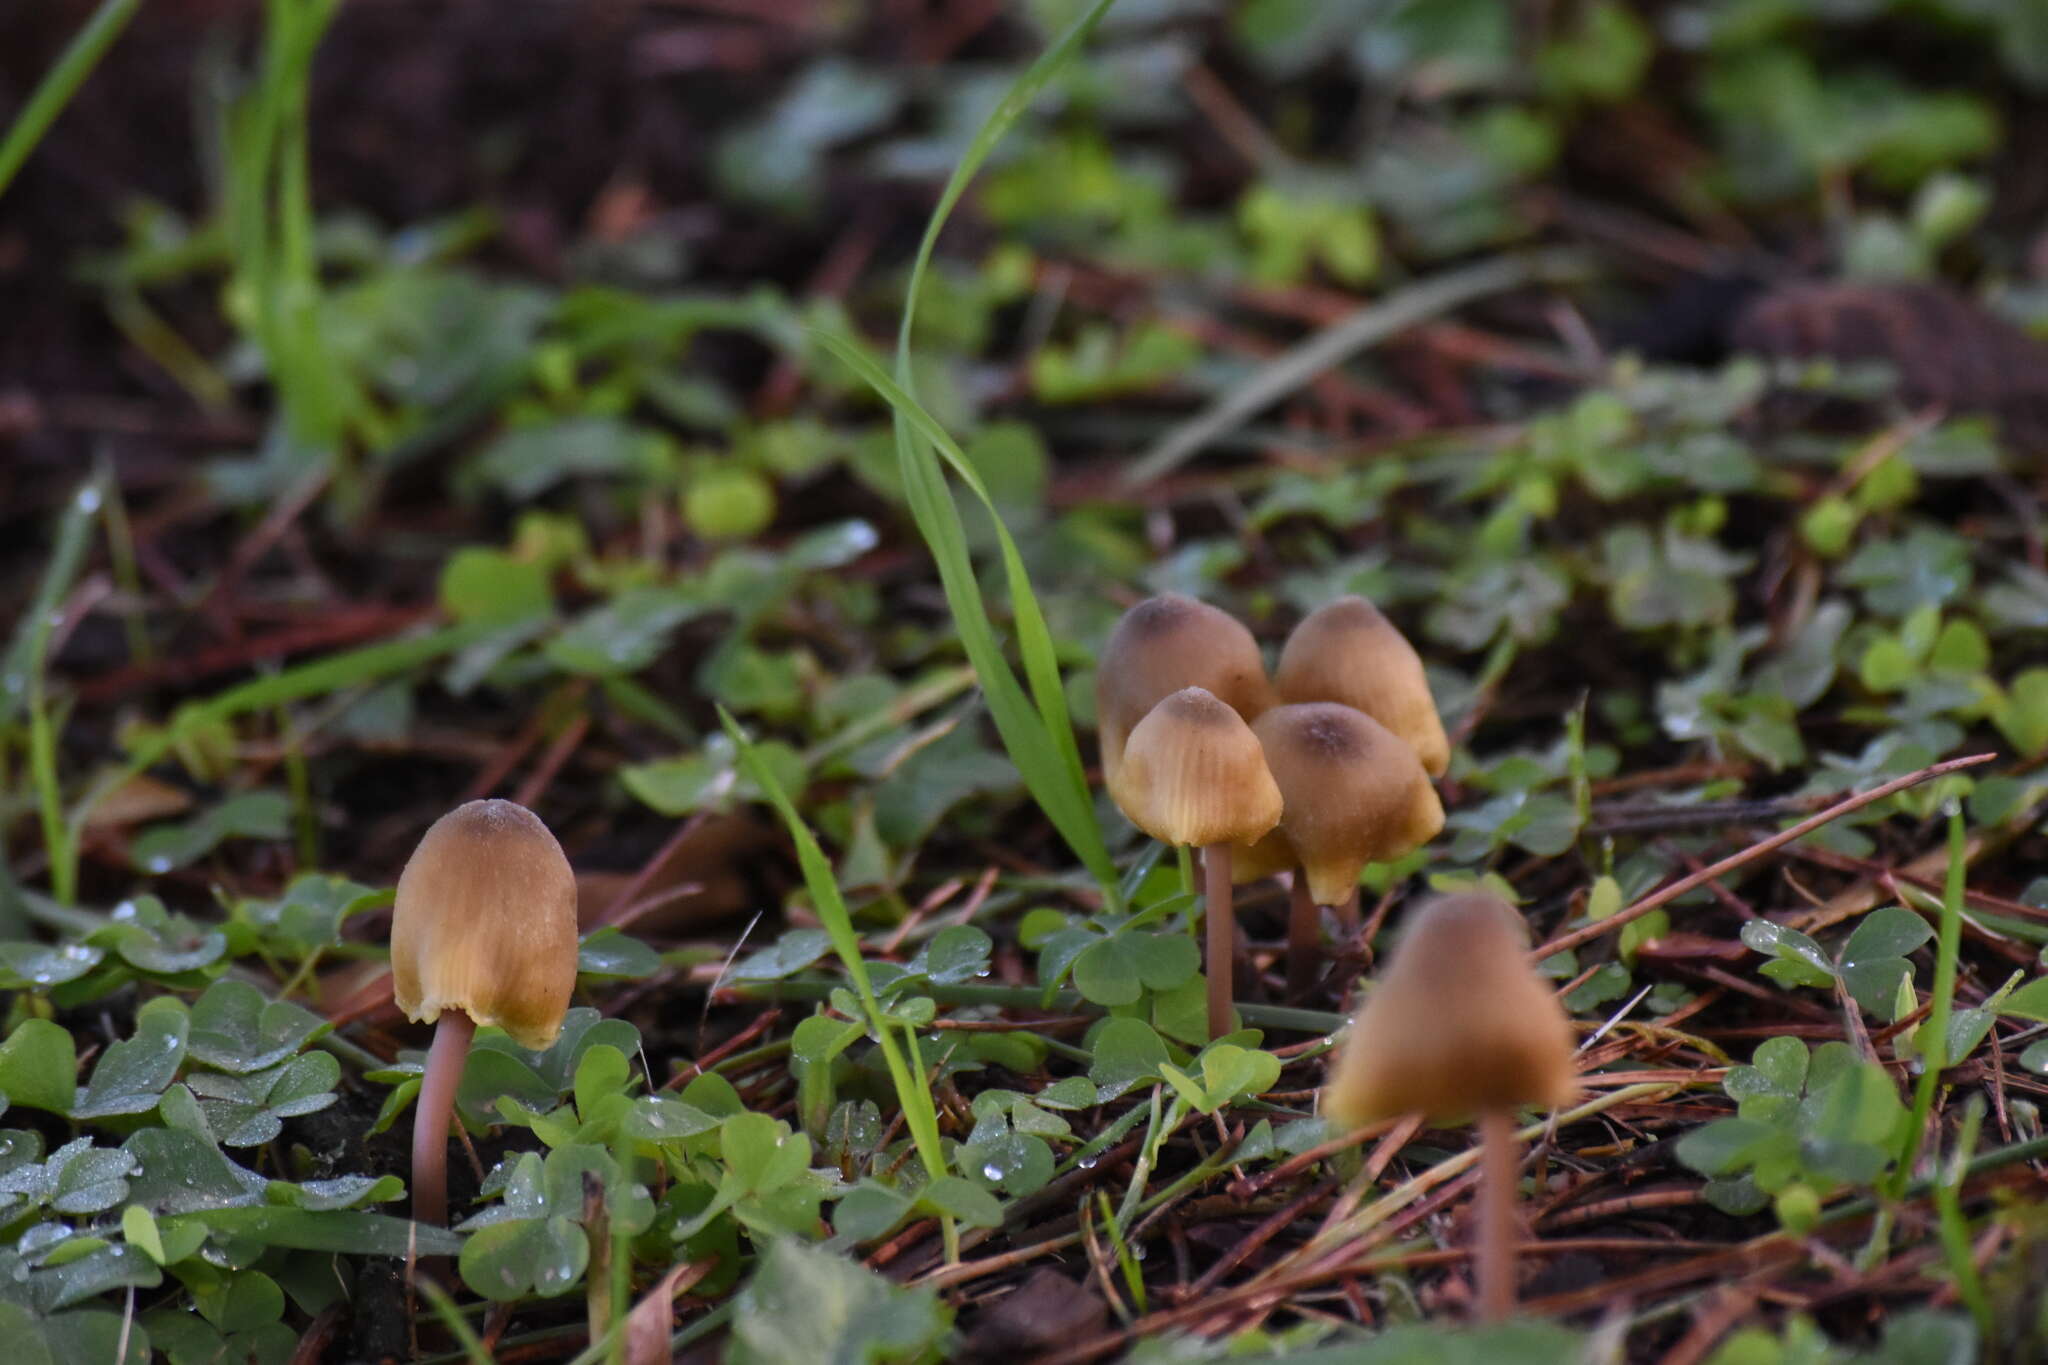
<point x="1040" y="737"/>
<point x="1332" y="346"/>
<point x="1036" y="729"/>
<point x="920" y="1113"/>
<point x="60" y="571"/>
<point x="1933" y="1035"/>
<point x="21" y="683"/>
<point x="81" y="55"/>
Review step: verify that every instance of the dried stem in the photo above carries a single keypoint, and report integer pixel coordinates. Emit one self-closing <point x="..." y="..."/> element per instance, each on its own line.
<point x="1674" y="890"/>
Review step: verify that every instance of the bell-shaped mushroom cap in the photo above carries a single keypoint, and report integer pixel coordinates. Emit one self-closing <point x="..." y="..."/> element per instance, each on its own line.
<point x="1354" y="793"/>
<point x="1346" y="651"/>
<point x="1166" y="643"/>
<point x="485" y="923"/>
<point x="1193" y="774"/>
<point x="1459" y="1023"/>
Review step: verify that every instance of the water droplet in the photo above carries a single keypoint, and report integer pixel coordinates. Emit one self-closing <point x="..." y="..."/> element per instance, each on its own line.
<point x="1087" y="1163"/>
<point x="43" y="978"/>
<point x="125" y="910"/>
<point x="88" y="499"/>
<point x="654" y="1121"/>
<point x="992" y="1171"/>
<point x="159" y="863"/>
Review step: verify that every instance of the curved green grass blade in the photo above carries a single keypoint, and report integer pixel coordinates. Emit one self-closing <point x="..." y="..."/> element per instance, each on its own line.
<point x="57" y="88"/>
<point x="1036" y="728"/>
<point x="1040" y="740"/>
<point x="919" y="1111"/>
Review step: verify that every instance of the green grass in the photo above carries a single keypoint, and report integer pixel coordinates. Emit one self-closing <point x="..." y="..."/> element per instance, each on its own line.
<point x="61" y="83"/>
<point x="1035" y="728"/>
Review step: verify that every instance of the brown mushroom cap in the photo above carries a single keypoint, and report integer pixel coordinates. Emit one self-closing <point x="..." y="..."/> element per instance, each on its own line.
<point x="485" y="923"/>
<point x="1193" y="774"/>
<point x="1354" y="793"/>
<point x="1346" y="651"/>
<point x="1459" y="1023"/>
<point x="1166" y="643"/>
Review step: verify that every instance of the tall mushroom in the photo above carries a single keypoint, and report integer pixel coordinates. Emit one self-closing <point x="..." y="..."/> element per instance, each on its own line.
<point x="1158" y="647"/>
<point x="1193" y="776"/>
<point x="1354" y="793"/>
<point x="483" y="932"/>
<point x="1347" y="651"/>
<point x="1460" y="1024"/>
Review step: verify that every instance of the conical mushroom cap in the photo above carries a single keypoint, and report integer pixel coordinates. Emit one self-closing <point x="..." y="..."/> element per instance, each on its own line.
<point x="1459" y="1023"/>
<point x="1166" y="643"/>
<point x="1346" y="651"/>
<point x="1193" y="774"/>
<point x="485" y="923"/>
<point x="1354" y="793"/>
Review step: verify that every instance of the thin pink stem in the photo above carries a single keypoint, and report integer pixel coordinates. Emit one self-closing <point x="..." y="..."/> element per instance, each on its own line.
<point x="1498" y="1164"/>
<point x="431" y="1114"/>
<point x="1222" y="933"/>
<point x="1304" y="937"/>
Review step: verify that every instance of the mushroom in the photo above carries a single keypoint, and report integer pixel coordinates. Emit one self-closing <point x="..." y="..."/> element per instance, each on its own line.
<point x="1354" y="794"/>
<point x="1460" y="1024"/>
<point x="1193" y="776"/>
<point x="483" y="932"/>
<point x="1346" y="651"/>
<point x="1158" y="647"/>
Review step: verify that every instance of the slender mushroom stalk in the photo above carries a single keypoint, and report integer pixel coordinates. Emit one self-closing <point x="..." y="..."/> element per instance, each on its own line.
<point x="1354" y="793"/>
<point x="1346" y="651"/>
<point x="1192" y="776"/>
<point x="1460" y="1024"/>
<point x="483" y="932"/>
<point x="1158" y="647"/>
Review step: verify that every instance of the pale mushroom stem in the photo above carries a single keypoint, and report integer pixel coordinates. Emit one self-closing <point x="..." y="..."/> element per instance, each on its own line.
<point x="431" y="1114"/>
<point x="1498" y="1162"/>
<point x="1304" y="936"/>
<point x="1222" y="932"/>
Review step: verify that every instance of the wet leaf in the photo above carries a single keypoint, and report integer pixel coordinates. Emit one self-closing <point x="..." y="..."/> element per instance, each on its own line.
<point x="807" y="1303"/>
<point x="234" y="1028"/>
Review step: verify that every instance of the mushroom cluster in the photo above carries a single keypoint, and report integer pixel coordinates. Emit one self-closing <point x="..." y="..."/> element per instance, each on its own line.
<point x="1319" y="770"/>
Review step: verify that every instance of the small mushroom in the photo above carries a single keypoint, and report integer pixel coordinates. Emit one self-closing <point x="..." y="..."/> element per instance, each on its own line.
<point x="1193" y="776"/>
<point x="1346" y="651"/>
<point x="1166" y="643"/>
<point x="1354" y="794"/>
<point x="483" y="932"/>
<point x="1460" y="1024"/>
